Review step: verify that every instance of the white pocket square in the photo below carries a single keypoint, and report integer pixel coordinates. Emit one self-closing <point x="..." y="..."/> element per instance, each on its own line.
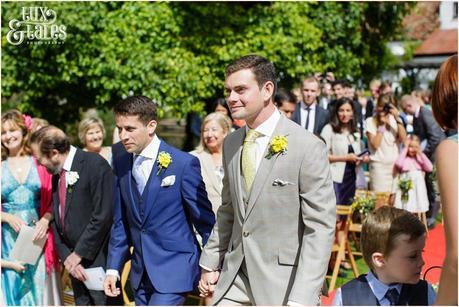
<point x="280" y="182"/>
<point x="168" y="181"/>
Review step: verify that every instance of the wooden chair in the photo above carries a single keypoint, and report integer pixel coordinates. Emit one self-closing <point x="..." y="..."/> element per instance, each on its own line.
<point x="342" y="247"/>
<point x="124" y="279"/>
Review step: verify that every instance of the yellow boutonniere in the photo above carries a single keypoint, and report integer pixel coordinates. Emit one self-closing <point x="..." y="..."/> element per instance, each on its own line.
<point x="277" y="146"/>
<point x="164" y="159"/>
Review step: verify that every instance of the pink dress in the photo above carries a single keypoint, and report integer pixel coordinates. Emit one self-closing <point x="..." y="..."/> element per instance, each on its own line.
<point x="414" y="169"/>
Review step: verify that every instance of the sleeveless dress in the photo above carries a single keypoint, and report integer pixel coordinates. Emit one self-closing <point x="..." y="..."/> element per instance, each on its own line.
<point x="22" y="200"/>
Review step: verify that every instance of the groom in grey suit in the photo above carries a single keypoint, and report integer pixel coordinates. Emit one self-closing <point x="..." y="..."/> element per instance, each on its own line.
<point x="272" y="240"/>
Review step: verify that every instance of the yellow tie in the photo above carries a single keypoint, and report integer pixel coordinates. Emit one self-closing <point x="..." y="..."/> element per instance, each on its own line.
<point x="249" y="156"/>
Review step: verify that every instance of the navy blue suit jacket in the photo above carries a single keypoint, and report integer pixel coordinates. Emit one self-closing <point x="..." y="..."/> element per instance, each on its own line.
<point x="161" y="228"/>
<point x="321" y="119"/>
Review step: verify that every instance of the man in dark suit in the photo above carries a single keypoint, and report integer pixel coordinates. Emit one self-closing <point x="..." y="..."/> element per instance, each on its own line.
<point x="82" y="207"/>
<point x="425" y="126"/>
<point x="159" y="197"/>
<point x="308" y="113"/>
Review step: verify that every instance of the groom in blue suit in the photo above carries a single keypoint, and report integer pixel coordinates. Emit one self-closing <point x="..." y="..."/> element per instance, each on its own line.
<point x="160" y="196"/>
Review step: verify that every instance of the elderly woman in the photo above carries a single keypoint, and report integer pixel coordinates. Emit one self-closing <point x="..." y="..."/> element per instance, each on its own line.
<point x="91" y="133"/>
<point x="214" y="129"/>
<point x="385" y="132"/>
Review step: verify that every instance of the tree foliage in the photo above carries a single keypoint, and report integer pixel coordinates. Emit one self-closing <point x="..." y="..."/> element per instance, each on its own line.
<point x="176" y="52"/>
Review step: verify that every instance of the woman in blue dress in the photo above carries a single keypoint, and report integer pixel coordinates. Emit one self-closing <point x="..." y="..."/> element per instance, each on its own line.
<point x="22" y="284"/>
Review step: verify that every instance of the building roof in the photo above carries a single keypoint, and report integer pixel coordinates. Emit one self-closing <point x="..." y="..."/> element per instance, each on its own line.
<point x="440" y="42"/>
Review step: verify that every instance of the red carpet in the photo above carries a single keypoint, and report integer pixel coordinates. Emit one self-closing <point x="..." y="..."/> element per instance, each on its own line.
<point x="434" y="254"/>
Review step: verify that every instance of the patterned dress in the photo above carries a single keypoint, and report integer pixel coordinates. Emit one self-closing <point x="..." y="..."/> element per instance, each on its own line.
<point x="22" y="200"/>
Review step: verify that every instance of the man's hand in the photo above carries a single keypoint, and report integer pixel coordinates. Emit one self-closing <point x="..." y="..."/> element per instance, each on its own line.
<point x="79" y="273"/>
<point x="207" y="283"/>
<point x="72" y="261"/>
<point x="110" y="288"/>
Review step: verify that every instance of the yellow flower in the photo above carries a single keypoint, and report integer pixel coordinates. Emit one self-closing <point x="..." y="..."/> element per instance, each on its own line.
<point x="277" y="146"/>
<point x="164" y="159"/>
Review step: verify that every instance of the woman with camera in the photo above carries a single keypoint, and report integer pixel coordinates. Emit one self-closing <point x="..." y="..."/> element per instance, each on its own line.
<point x="385" y="131"/>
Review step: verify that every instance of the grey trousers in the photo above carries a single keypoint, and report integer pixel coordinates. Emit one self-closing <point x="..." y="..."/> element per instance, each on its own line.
<point x="239" y="293"/>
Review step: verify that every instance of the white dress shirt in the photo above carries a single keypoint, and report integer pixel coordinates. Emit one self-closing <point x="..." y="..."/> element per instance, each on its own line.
<point x="149" y="153"/>
<point x="68" y="166"/>
<point x="312" y="116"/>
<point x="266" y="129"/>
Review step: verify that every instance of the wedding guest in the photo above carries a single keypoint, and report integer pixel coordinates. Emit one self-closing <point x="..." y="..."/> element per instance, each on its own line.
<point x="215" y="128"/>
<point x="91" y="133"/>
<point x="444" y="106"/>
<point x="83" y="198"/>
<point x="392" y="243"/>
<point x="26" y="200"/>
<point x="343" y="142"/>
<point x="38" y="123"/>
<point x="412" y="164"/>
<point x="385" y="132"/>
<point x="285" y="101"/>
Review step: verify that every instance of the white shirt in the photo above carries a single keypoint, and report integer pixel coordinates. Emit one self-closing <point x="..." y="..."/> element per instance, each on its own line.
<point x="68" y="165"/>
<point x="267" y="130"/>
<point x="312" y="116"/>
<point x="149" y="153"/>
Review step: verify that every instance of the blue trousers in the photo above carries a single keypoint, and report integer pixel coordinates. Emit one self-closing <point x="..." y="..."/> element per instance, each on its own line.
<point x="147" y="295"/>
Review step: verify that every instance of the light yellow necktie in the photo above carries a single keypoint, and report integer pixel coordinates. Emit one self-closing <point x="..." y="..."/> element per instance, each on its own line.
<point x="249" y="156"/>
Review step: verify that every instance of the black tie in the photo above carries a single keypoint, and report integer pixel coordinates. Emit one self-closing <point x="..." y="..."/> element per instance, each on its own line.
<point x="308" y="108"/>
<point x="392" y="295"/>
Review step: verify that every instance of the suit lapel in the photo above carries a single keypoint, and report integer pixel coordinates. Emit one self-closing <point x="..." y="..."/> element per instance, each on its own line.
<point x="236" y="169"/>
<point x="317" y="120"/>
<point x="127" y="184"/>
<point x="266" y="165"/>
<point x="154" y="183"/>
<point x="77" y="166"/>
<point x="56" y="199"/>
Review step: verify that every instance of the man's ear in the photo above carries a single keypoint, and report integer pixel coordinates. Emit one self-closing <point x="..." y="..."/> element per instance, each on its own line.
<point x="151" y="127"/>
<point x="268" y="90"/>
<point x="378" y="260"/>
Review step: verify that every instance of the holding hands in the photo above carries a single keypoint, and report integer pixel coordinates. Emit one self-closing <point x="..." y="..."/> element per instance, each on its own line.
<point x="207" y="283"/>
<point x="72" y="264"/>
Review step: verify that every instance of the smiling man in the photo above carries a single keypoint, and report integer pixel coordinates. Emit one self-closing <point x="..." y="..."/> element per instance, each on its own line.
<point x="272" y="239"/>
<point x="82" y="207"/>
<point x="159" y="197"/>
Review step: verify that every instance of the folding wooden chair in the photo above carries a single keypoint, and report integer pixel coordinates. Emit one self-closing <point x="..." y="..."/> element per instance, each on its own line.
<point x="342" y="246"/>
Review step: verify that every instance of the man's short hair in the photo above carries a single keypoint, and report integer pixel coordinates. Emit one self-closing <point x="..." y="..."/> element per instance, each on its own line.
<point x="49" y="138"/>
<point x="338" y="82"/>
<point x="310" y="79"/>
<point x="383" y="226"/>
<point x="284" y="95"/>
<point x="263" y="69"/>
<point x="141" y="106"/>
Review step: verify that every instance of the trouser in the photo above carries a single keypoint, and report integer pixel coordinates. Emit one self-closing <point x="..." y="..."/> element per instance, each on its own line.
<point x="147" y="295"/>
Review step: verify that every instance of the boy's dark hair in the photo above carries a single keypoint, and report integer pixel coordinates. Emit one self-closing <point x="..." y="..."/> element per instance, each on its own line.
<point x="141" y="106"/>
<point x="263" y="69"/>
<point x="49" y="138"/>
<point x="282" y="96"/>
<point x="383" y="226"/>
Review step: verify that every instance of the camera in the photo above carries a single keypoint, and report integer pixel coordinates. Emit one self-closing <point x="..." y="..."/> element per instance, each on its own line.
<point x="387" y="107"/>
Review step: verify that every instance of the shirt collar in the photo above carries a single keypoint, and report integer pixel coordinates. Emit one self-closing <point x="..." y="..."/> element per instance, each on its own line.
<point x="311" y="107"/>
<point x="69" y="160"/>
<point x="151" y="151"/>
<point x="268" y="126"/>
<point x="379" y="288"/>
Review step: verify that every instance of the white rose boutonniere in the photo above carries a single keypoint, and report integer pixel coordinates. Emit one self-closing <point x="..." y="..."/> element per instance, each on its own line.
<point x="71" y="178"/>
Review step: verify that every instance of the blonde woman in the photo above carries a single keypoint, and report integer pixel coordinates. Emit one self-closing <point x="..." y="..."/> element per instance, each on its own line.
<point x="214" y="129"/>
<point x="91" y="133"/>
